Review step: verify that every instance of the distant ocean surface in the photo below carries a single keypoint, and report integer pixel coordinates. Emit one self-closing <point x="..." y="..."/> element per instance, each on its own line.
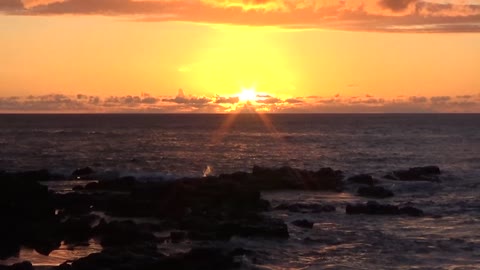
<point x="171" y="146"/>
<point x="178" y="145"/>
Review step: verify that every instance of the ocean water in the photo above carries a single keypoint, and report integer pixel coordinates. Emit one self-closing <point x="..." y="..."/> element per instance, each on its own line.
<point x="172" y="146"/>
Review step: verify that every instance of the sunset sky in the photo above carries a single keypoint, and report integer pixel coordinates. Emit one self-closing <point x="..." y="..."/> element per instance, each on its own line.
<point x="225" y="55"/>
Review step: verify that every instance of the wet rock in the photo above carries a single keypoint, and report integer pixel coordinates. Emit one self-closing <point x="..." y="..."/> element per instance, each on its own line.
<point x="366" y="179"/>
<point x="120" y="184"/>
<point x="121" y="233"/>
<point x="177" y="237"/>
<point x="259" y="227"/>
<point x="374" y="208"/>
<point x="78" y="229"/>
<point x="427" y="173"/>
<point x="411" y="211"/>
<point x="374" y="192"/>
<point x="28" y="218"/>
<point x="306" y="208"/>
<point x="197" y="258"/>
<point x="303" y="223"/>
<point x="83" y="172"/>
<point x="26" y="265"/>
<point x="290" y="178"/>
<point x="78" y="188"/>
<point x="36" y="175"/>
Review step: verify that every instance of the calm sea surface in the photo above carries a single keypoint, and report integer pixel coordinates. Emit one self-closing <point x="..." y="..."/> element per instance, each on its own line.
<point x="171" y="146"/>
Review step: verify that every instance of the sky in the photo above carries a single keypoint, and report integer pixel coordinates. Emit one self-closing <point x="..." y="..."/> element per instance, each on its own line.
<point x="215" y="56"/>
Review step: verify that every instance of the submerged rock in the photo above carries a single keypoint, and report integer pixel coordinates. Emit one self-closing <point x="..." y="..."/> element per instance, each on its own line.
<point x="427" y="173"/>
<point x="82" y="172"/>
<point x="366" y="179"/>
<point x="374" y="208"/>
<point x="374" y="192"/>
<point x="306" y="208"/>
<point x="303" y="223"/>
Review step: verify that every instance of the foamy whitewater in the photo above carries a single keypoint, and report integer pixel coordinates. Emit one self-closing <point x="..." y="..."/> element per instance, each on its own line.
<point x="155" y="147"/>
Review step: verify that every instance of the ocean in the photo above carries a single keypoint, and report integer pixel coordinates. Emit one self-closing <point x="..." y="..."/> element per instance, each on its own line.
<point x="158" y="147"/>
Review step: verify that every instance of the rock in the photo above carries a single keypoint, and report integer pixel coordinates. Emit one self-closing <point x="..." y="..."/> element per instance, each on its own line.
<point x="78" y="188"/>
<point x="78" y="229"/>
<point x="411" y="211"/>
<point x="363" y="179"/>
<point x="374" y="208"/>
<point x="120" y="184"/>
<point x="177" y="237"/>
<point x="82" y="172"/>
<point x="374" y="192"/>
<point x="306" y="208"/>
<point x="427" y="173"/>
<point x="258" y="227"/>
<point x="28" y="217"/>
<point x="290" y="178"/>
<point x="121" y="233"/>
<point x="197" y="258"/>
<point x="303" y="223"/>
<point x="26" y="265"/>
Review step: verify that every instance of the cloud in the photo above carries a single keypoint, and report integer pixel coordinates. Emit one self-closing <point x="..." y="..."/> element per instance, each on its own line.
<point x="294" y="101"/>
<point x="182" y="99"/>
<point x="10" y="5"/>
<point x="396" y="5"/>
<point x="227" y="100"/>
<point x="270" y="100"/>
<point x="416" y="99"/>
<point x="191" y="104"/>
<point x="440" y="99"/>
<point x="352" y="15"/>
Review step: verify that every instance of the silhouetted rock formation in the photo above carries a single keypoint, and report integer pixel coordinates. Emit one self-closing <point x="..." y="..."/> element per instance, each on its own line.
<point x="427" y="173"/>
<point x="306" y="208"/>
<point x="363" y="179"/>
<point x="374" y="192"/>
<point x="303" y="223"/>
<point x="374" y="208"/>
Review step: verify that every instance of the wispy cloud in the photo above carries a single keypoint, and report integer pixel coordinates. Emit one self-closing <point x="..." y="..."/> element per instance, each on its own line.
<point x="354" y="15"/>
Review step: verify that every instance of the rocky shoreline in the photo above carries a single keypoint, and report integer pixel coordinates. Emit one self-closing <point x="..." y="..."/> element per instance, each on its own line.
<point x="206" y="209"/>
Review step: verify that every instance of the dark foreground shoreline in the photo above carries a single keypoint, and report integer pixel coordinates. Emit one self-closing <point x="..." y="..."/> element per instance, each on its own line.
<point x="202" y="210"/>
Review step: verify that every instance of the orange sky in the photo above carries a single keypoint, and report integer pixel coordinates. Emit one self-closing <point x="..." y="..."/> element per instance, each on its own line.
<point x="299" y="56"/>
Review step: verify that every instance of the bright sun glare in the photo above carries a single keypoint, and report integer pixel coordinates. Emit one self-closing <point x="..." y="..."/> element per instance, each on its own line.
<point x="247" y="95"/>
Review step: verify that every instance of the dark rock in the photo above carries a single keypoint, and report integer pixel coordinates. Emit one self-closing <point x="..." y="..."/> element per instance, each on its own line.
<point x="411" y="211"/>
<point x="26" y="176"/>
<point x="374" y="192"/>
<point x="83" y="172"/>
<point x="28" y="217"/>
<point x="177" y="237"/>
<point x="120" y="233"/>
<point x="427" y="173"/>
<point x="259" y="227"/>
<point x="64" y="266"/>
<point x="197" y="258"/>
<point x="78" y="229"/>
<point x="290" y="178"/>
<point x="121" y="184"/>
<point x="374" y="208"/>
<point x="78" y="188"/>
<point x="303" y="223"/>
<point x="26" y="265"/>
<point x="363" y="179"/>
<point x="306" y="208"/>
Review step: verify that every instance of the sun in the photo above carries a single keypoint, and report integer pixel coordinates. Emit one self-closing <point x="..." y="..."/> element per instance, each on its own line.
<point x="247" y="95"/>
